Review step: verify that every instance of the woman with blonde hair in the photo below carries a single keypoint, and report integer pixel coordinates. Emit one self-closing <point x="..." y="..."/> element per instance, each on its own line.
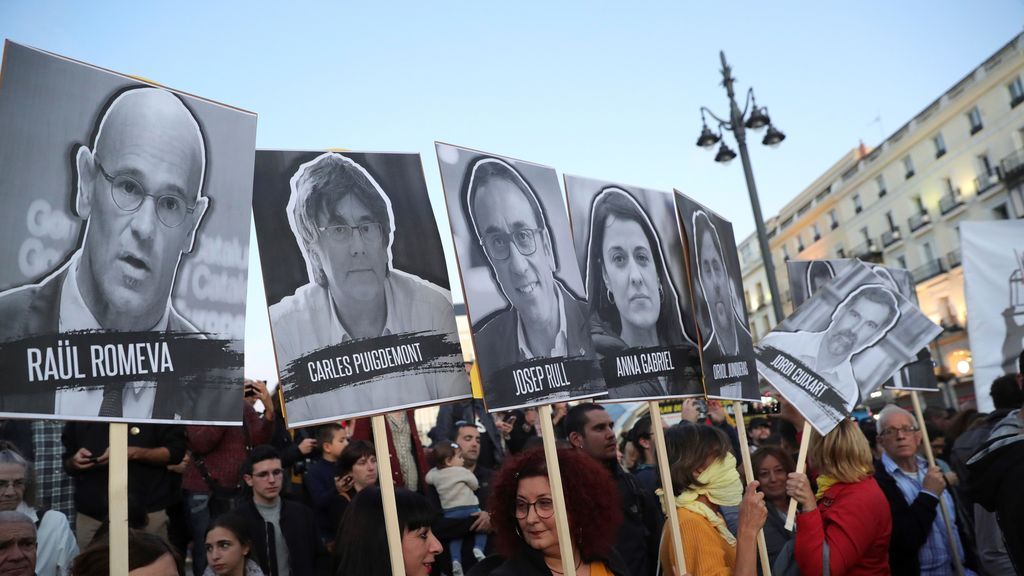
<point x="847" y="523"/>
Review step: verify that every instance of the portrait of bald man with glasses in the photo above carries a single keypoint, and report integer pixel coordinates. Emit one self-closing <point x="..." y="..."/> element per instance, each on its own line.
<point x="139" y="189"/>
<point x="543" y="318"/>
<point x="344" y="225"/>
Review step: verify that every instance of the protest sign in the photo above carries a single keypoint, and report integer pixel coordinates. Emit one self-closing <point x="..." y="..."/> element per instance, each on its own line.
<point x="727" y="353"/>
<point x="993" y="260"/>
<point x="356" y="283"/>
<point x="628" y="249"/>
<point x="805" y="276"/>
<point x="125" y="246"/>
<point x="810" y="357"/>
<point x="524" y="293"/>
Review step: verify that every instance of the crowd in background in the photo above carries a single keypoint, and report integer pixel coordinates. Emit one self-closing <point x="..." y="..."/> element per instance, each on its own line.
<point x="476" y="499"/>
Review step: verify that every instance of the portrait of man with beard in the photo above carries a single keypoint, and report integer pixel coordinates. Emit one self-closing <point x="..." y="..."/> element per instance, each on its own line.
<point x="728" y="336"/>
<point x="859" y="321"/>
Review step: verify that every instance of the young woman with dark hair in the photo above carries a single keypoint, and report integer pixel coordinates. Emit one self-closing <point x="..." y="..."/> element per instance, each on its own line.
<point x="227" y="548"/>
<point x="361" y="547"/>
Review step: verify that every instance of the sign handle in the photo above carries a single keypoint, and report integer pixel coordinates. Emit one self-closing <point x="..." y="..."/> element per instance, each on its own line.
<point x="117" y="497"/>
<point x="668" y="501"/>
<point x="801" y="468"/>
<point x="748" y="471"/>
<point x="387" y="493"/>
<point x="547" y="431"/>
<point x="942" y="503"/>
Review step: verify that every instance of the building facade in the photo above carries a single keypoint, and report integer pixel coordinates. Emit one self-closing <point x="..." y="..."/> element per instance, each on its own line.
<point x="901" y="204"/>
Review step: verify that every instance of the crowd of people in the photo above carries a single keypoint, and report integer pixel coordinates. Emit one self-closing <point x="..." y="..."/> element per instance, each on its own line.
<point x="477" y="500"/>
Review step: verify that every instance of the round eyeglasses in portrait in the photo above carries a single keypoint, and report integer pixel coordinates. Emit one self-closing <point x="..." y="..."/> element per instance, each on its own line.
<point x="128" y="195"/>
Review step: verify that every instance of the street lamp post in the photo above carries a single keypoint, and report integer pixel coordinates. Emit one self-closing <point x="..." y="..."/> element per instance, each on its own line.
<point x="738" y="123"/>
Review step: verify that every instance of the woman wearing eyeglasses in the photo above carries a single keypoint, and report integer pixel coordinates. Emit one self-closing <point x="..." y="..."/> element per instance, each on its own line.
<point x="633" y="301"/>
<point x="523" y="515"/>
<point x="847" y="523"/>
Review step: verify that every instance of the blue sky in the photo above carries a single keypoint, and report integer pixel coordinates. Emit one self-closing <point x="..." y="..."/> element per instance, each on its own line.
<point x="600" y="89"/>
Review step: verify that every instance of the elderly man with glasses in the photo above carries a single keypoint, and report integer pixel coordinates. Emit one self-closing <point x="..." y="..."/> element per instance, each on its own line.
<point x="919" y="542"/>
<point x="139" y="189"/>
<point x="543" y="319"/>
<point x="345" y="227"/>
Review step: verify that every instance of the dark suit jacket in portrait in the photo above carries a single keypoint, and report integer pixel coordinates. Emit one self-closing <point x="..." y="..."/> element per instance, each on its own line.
<point x="497" y="340"/>
<point x="34" y="310"/>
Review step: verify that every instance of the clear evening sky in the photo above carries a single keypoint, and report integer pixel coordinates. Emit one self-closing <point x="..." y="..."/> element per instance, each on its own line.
<point x="606" y="90"/>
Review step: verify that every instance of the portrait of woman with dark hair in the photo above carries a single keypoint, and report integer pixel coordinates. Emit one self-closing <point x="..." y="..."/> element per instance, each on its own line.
<point x="633" y="301"/>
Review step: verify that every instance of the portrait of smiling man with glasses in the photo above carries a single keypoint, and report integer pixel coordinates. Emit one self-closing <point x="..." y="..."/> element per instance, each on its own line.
<point x="139" y="189"/>
<point x="543" y="319"/>
<point x="344" y="225"/>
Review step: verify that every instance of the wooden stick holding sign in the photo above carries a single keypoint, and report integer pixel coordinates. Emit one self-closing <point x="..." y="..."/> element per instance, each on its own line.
<point x="668" y="494"/>
<point x="547" y="432"/>
<point x="801" y="468"/>
<point x="117" y="497"/>
<point x="387" y="494"/>
<point x="954" y="550"/>
<point x="748" y="471"/>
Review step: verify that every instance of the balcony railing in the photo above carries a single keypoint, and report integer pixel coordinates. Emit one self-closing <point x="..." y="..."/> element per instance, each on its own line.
<point x="985" y="182"/>
<point x="1013" y="168"/>
<point x="867" y="250"/>
<point x="950" y="202"/>
<point x="953" y="259"/>
<point x="918" y="221"/>
<point x="890" y="237"/>
<point x="929" y="270"/>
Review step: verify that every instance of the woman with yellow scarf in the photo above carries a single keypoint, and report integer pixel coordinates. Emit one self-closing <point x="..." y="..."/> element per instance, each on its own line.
<point x="704" y="477"/>
<point x="849" y="516"/>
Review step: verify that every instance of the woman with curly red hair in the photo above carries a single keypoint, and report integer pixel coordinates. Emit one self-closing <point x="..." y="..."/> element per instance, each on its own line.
<point x="523" y="516"/>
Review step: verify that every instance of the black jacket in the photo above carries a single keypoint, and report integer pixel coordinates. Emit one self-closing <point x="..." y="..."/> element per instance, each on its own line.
<point x="911" y="524"/>
<point x="307" y="555"/>
<point x="997" y="475"/>
<point x="530" y="562"/>
<point x="150" y="486"/>
<point x="637" y="543"/>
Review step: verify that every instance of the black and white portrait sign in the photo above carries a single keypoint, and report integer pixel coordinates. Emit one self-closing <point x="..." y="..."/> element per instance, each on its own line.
<point x="125" y="210"/>
<point x="524" y="293"/>
<point x="356" y="281"/>
<point x="811" y="357"/>
<point x="993" y="255"/>
<point x="805" y="276"/>
<point x="628" y="248"/>
<point x="727" y="350"/>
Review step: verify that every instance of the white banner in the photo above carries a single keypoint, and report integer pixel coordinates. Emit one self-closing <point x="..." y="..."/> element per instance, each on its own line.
<point x="993" y="257"/>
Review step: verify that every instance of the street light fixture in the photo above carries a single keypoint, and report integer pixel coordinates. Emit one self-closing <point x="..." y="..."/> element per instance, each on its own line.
<point x="738" y="123"/>
<point x="773" y="137"/>
<point x="725" y="154"/>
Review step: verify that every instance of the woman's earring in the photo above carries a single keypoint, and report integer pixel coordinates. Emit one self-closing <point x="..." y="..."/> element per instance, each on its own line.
<point x="611" y="298"/>
<point x="661" y="293"/>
